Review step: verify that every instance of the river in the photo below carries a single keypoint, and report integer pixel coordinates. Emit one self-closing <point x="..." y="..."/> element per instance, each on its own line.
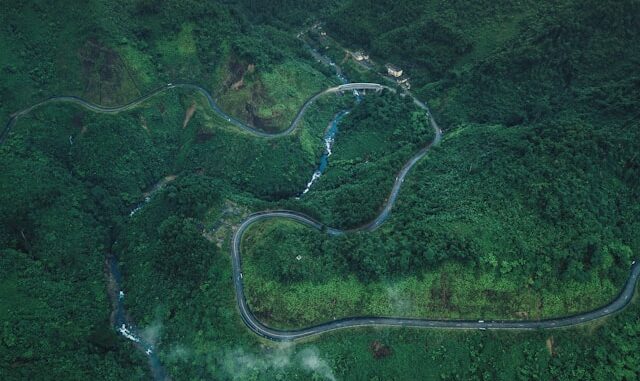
<point x="119" y="317"/>
<point x="122" y="322"/>
<point x="331" y="131"/>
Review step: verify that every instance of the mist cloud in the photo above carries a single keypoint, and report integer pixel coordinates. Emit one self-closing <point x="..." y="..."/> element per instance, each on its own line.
<point x="240" y="364"/>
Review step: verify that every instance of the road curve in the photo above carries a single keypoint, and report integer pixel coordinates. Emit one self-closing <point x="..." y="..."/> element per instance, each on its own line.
<point x="259" y="328"/>
<point x="620" y="302"/>
<point x="283" y="335"/>
<point x="256" y="326"/>
<point x="212" y="103"/>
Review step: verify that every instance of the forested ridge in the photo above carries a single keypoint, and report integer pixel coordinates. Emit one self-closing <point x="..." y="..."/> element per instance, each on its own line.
<point x="527" y="209"/>
<point x="535" y="188"/>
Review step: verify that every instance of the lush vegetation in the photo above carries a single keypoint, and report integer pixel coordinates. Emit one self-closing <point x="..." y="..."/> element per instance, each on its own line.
<point x="527" y="209"/>
<point x="511" y="259"/>
<point x="54" y="234"/>
<point x="373" y="142"/>
<point x="115" y="51"/>
<point x="526" y="214"/>
<point x="71" y="178"/>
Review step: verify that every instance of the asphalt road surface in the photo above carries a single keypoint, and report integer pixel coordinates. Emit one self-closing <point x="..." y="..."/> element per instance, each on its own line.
<point x="212" y="103"/>
<point x="361" y="321"/>
<point x="256" y="326"/>
<point x="283" y="335"/>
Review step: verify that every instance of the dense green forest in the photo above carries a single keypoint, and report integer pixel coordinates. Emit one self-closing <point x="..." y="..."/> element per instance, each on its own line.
<point x="549" y="205"/>
<point x="528" y="208"/>
<point x="374" y="140"/>
<point x="511" y="260"/>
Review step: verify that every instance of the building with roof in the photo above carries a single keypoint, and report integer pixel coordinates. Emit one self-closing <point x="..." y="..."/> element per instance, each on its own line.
<point x="360" y="55"/>
<point x="393" y="70"/>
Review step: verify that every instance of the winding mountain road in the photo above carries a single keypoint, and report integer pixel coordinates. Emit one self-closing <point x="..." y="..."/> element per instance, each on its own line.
<point x="283" y="335"/>
<point x="199" y="89"/>
<point x="256" y="326"/>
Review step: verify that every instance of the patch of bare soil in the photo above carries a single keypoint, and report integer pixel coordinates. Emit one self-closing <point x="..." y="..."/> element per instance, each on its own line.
<point x="238" y="85"/>
<point x="380" y="350"/>
<point x="442" y="294"/>
<point x="230" y="218"/>
<point x="143" y="122"/>
<point x="251" y="68"/>
<point x="540" y="306"/>
<point x="188" y="114"/>
<point x="236" y="73"/>
<point x="159" y="185"/>
<point x="550" y="347"/>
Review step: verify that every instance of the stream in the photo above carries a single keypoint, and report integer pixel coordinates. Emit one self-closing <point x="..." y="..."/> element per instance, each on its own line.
<point x="119" y="317"/>
<point x="122" y="323"/>
<point x="331" y="131"/>
<point x="329" y="139"/>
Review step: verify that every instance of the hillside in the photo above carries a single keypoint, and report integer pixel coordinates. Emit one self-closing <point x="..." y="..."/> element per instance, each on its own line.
<point x="527" y="208"/>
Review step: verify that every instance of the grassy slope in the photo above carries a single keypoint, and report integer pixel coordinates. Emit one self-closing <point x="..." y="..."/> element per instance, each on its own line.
<point x="271" y="98"/>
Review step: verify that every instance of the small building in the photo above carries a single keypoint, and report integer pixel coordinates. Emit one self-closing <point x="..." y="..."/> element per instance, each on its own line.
<point x="393" y="70"/>
<point x="359" y="55"/>
<point x="403" y="81"/>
